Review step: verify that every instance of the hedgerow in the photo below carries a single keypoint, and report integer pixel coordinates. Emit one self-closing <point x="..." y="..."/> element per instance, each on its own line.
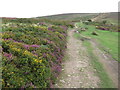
<point x="32" y="52"/>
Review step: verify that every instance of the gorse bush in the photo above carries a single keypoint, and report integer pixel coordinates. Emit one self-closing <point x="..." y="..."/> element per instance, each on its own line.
<point x="32" y="52"/>
<point x="104" y="26"/>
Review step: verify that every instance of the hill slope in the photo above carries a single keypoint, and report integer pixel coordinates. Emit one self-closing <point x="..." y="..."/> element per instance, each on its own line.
<point x="71" y="16"/>
<point x="111" y="17"/>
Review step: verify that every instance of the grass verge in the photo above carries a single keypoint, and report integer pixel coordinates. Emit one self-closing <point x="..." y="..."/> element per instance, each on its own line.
<point x="106" y="82"/>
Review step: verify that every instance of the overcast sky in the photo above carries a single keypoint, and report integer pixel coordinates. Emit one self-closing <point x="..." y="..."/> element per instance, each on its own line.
<point x="34" y="8"/>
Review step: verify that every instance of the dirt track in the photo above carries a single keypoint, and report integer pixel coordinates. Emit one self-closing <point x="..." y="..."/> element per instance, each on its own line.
<point x="77" y="70"/>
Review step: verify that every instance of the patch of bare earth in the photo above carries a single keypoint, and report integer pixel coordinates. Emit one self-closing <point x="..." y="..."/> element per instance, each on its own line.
<point x="77" y="71"/>
<point x="110" y="65"/>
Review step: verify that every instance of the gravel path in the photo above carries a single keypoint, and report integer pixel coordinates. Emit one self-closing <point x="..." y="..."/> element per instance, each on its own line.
<point x="77" y="71"/>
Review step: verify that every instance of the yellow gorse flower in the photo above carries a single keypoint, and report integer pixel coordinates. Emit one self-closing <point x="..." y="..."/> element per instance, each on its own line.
<point x="38" y="61"/>
<point x="12" y="72"/>
<point x="11" y="45"/>
<point x="0" y="34"/>
<point x="27" y="53"/>
<point x="16" y="49"/>
<point x="35" y="60"/>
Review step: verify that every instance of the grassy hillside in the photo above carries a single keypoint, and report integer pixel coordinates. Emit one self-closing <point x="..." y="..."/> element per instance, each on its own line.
<point x="71" y="16"/>
<point x="108" y="40"/>
<point x="111" y="17"/>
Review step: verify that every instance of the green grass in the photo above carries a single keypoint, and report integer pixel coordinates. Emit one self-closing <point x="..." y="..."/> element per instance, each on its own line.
<point x="105" y="81"/>
<point x="107" y="40"/>
<point x="115" y="22"/>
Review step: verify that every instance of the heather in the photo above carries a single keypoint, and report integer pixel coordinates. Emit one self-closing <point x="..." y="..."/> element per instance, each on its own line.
<point x="32" y="52"/>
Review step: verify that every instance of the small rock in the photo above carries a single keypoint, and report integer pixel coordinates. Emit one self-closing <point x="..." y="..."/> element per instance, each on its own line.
<point x="69" y="75"/>
<point x="80" y="82"/>
<point x="68" y="84"/>
<point x="82" y="86"/>
<point x="62" y="81"/>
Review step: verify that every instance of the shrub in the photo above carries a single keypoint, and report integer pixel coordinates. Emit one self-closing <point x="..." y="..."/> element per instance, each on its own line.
<point x="32" y="53"/>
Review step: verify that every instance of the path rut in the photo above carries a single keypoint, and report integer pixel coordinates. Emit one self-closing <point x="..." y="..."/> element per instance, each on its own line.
<point x="110" y="65"/>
